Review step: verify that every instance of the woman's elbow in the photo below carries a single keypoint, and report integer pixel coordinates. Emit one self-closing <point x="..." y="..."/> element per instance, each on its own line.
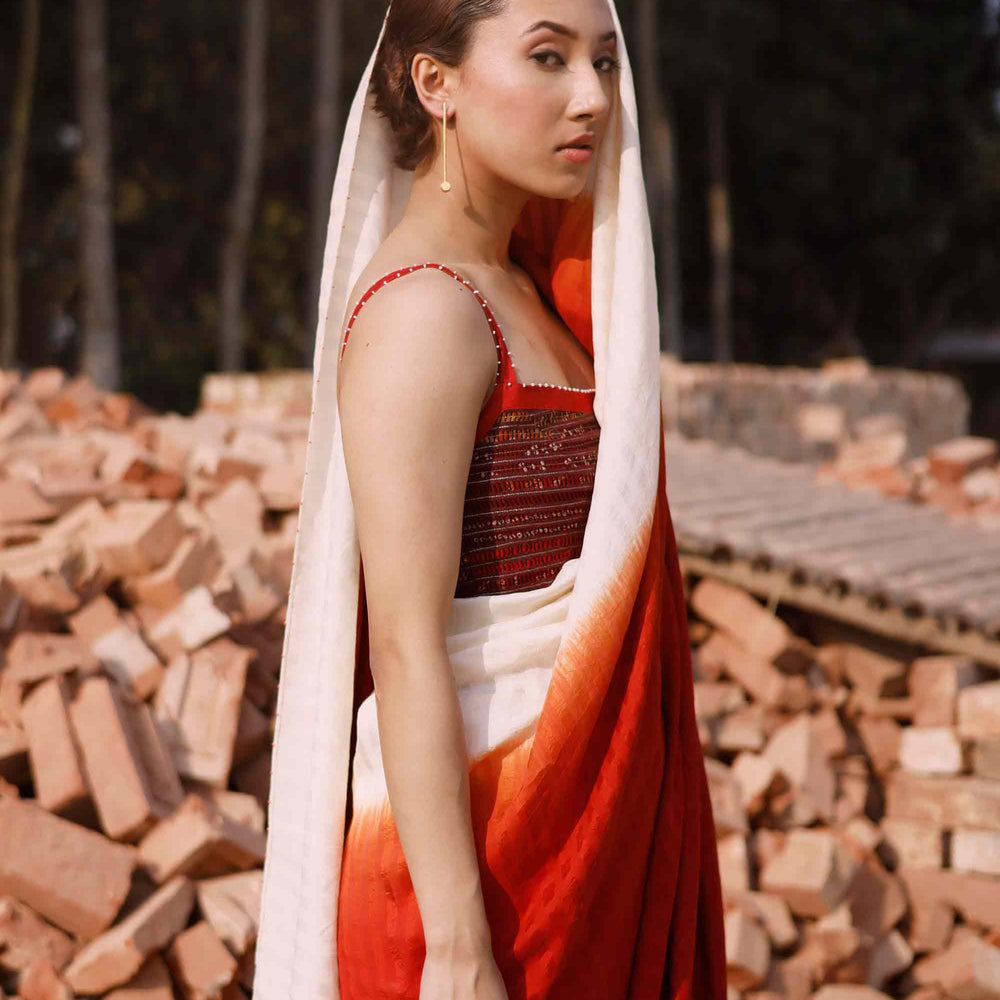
<point x="399" y="658"/>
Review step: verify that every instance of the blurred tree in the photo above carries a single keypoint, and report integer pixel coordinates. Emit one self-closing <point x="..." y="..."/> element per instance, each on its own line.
<point x="867" y="184"/>
<point x="864" y="176"/>
<point x="100" y="355"/>
<point x="13" y="182"/>
<point x="326" y="141"/>
<point x="242" y="207"/>
<point x="720" y="227"/>
<point x="660" y="171"/>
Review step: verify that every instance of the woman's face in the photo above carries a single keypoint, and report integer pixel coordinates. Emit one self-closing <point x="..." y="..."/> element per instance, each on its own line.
<point x="537" y="78"/>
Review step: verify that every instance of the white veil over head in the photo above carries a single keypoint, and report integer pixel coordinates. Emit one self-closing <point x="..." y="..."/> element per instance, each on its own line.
<point x="296" y="952"/>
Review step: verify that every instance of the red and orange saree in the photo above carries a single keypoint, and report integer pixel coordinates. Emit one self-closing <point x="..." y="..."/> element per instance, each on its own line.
<point x="589" y="795"/>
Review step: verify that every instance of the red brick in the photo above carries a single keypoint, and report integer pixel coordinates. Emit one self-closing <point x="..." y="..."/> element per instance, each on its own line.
<point x="78" y="524"/>
<point x="139" y="537"/>
<point x="39" y="981"/>
<point x="281" y="487"/>
<point x="201" y="964"/>
<point x="881" y="738"/>
<point x="24" y="936"/>
<point x="761" y="680"/>
<point x="935" y="682"/>
<point x="870" y="672"/>
<point x="812" y="872"/>
<point x="195" y="562"/>
<point x="13" y="751"/>
<point x="884" y="451"/>
<point x="128" y="659"/>
<point x="47" y="598"/>
<point x="33" y="656"/>
<point x="19" y="419"/>
<point x="945" y="802"/>
<point x="199" y="840"/>
<point x="876" y="898"/>
<point x="95" y="619"/>
<point x="116" y="956"/>
<point x="129" y="770"/>
<point x="198" y="707"/>
<point x="20" y="501"/>
<point x="94" y="873"/>
<point x="10" y="605"/>
<point x="797" y="752"/>
<point x="930" y="750"/>
<point x="56" y="767"/>
<point x="752" y="625"/>
<point x="192" y="623"/>
<point x="970" y="968"/>
<point x="240" y="807"/>
<point x="231" y="904"/>
<point x="955" y="459"/>
<point x="151" y="982"/>
<point x="979" y="712"/>
<point x="44" y="383"/>
<point x="748" y="951"/>
<point x="258" y="595"/>
<point x="974" y="896"/>
<point x="236" y="516"/>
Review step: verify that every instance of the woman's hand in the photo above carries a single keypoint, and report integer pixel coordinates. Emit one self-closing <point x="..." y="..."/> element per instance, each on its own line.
<point x="461" y="976"/>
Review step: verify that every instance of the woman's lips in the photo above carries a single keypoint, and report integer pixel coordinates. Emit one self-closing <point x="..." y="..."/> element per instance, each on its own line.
<point x="577" y="154"/>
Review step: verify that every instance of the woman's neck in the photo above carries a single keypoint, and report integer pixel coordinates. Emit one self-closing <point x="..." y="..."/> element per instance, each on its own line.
<point x="474" y="222"/>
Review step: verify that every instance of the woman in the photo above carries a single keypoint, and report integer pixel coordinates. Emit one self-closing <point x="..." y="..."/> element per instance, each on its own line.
<point x="522" y="812"/>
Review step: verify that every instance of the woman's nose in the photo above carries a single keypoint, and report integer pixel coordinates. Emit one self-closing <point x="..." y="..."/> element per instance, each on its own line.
<point x="590" y="97"/>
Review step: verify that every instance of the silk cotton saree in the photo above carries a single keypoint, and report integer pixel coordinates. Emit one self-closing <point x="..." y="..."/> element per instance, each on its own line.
<point x="590" y="802"/>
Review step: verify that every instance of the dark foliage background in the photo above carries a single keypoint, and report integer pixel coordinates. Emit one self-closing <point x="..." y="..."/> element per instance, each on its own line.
<point x="864" y="160"/>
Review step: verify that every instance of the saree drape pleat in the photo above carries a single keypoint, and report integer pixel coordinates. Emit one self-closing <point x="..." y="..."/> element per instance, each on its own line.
<point x="597" y="850"/>
<point x="593" y="824"/>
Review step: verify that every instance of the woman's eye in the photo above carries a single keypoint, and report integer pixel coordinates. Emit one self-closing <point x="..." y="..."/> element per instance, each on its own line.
<point x="606" y="64"/>
<point x="540" y="58"/>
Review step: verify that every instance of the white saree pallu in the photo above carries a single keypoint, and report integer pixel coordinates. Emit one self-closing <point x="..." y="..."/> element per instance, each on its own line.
<point x="502" y="648"/>
<point x="590" y="804"/>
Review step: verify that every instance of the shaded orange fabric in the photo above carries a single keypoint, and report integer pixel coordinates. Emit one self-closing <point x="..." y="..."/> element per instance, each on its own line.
<point x="595" y="837"/>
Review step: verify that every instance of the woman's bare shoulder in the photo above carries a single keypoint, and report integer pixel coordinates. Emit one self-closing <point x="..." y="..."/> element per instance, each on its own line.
<point x="398" y="252"/>
<point x="429" y="321"/>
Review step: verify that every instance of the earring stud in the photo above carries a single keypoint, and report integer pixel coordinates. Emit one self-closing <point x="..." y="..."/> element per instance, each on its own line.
<point x="445" y="185"/>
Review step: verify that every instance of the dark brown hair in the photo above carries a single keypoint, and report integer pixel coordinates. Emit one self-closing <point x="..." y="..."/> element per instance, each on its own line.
<point x="442" y="29"/>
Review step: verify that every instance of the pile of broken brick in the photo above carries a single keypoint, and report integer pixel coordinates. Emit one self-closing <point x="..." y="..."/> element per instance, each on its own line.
<point x="144" y="563"/>
<point x="856" y="791"/>
<point x="961" y="475"/>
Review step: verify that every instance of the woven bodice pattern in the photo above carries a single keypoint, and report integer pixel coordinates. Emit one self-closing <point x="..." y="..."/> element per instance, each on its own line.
<point x="531" y="477"/>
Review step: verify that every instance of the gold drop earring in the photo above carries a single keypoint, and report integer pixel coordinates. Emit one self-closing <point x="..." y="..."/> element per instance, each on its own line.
<point x="445" y="185"/>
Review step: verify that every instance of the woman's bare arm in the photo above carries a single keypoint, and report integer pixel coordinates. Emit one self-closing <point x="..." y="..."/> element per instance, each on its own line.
<point x="418" y="364"/>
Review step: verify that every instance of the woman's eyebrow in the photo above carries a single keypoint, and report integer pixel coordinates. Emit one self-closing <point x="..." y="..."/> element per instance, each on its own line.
<point x="561" y="29"/>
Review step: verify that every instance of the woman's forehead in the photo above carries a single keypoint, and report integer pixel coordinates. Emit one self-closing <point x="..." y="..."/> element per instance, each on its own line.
<point x="586" y="20"/>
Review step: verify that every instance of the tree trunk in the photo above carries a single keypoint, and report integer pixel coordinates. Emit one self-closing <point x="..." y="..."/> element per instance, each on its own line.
<point x="100" y="355"/>
<point x="253" y="119"/>
<point x="326" y="126"/>
<point x="13" y="182"/>
<point x="719" y="225"/>
<point x="661" y="179"/>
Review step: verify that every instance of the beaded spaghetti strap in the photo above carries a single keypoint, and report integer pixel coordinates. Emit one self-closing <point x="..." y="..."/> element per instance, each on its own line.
<point x="498" y="341"/>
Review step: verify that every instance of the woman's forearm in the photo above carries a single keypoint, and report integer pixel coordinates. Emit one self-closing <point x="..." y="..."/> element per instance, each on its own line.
<point x="426" y="769"/>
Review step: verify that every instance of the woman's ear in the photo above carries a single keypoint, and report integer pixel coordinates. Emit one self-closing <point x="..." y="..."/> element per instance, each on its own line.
<point x="432" y="82"/>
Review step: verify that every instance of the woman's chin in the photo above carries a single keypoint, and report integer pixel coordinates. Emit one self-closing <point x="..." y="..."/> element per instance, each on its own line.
<point x="565" y="187"/>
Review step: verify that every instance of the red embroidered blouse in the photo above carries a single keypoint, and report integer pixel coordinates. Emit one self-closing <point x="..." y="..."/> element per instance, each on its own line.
<point x="531" y="478"/>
